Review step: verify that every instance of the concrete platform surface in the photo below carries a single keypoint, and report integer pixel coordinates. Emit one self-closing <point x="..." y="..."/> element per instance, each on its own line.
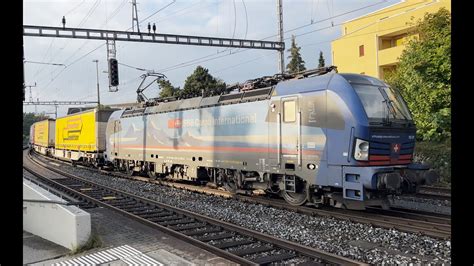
<point x="124" y="255"/>
<point x="128" y="242"/>
<point x="37" y="249"/>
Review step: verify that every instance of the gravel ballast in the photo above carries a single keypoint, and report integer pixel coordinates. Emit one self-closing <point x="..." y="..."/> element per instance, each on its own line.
<point x="356" y="241"/>
<point x="422" y="204"/>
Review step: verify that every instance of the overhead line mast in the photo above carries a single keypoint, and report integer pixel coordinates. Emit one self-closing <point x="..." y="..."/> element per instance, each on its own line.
<point x="281" y="58"/>
<point x="135" y="16"/>
<point x="97" y="34"/>
<point x="59" y="103"/>
<point x="112" y="36"/>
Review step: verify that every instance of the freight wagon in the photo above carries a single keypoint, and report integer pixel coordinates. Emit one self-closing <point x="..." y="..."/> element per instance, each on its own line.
<point x="42" y="136"/>
<point x="80" y="137"/>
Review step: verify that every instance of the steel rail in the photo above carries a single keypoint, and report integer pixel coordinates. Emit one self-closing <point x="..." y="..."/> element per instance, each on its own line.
<point x="436" y="230"/>
<point x="280" y="243"/>
<point x="140" y="219"/>
<point x="433" y="226"/>
<point x="440" y="193"/>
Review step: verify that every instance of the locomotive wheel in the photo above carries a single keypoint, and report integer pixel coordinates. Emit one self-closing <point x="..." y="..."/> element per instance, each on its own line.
<point x="151" y="174"/>
<point x="296" y="198"/>
<point x="128" y="171"/>
<point x="230" y="184"/>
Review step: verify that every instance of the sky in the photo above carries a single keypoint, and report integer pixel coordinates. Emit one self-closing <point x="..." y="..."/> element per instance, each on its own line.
<point x="315" y="23"/>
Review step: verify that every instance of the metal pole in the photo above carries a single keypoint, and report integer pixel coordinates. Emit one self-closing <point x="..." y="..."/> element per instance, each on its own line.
<point x="98" y="93"/>
<point x="135" y="16"/>
<point x="281" y="58"/>
<point x="23" y="54"/>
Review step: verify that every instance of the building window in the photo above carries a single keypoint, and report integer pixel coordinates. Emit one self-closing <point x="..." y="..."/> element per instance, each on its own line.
<point x="289" y="111"/>
<point x="361" y="50"/>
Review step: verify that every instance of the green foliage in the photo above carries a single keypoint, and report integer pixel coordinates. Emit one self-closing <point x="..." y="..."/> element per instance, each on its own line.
<point x="321" y="62"/>
<point x="296" y="63"/>
<point x="28" y="120"/>
<point x="167" y="89"/>
<point x="423" y="76"/>
<point x="104" y="107"/>
<point x="201" y="81"/>
<point x="437" y="155"/>
<point x="94" y="241"/>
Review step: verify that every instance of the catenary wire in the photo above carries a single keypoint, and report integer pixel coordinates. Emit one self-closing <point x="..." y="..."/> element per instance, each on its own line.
<point x="181" y="64"/>
<point x="186" y="63"/>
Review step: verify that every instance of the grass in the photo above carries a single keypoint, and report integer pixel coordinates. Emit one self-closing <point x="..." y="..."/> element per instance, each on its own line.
<point x="438" y="156"/>
<point x="94" y="241"/>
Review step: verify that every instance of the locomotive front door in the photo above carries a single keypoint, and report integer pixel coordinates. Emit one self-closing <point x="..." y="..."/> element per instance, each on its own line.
<point x="290" y="133"/>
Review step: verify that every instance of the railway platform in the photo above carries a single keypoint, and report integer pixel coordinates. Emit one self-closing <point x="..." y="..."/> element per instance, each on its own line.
<point x="124" y="242"/>
<point x="37" y="249"/>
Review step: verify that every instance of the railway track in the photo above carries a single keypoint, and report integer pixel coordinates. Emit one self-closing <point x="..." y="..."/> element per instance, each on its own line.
<point x="440" y="193"/>
<point x="238" y="244"/>
<point x="437" y="227"/>
<point x="71" y="198"/>
<point x="402" y="220"/>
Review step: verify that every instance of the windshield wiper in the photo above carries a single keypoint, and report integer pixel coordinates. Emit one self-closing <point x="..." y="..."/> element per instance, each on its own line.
<point x="399" y="110"/>
<point x="386" y="120"/>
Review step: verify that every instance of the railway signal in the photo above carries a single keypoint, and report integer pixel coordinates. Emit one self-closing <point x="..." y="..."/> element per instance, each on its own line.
<point x="113" y="72"/>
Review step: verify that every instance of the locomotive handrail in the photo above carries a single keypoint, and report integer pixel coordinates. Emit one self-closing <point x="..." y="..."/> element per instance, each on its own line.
<point x="279" y="138"/>
<point x="299" y="146"/>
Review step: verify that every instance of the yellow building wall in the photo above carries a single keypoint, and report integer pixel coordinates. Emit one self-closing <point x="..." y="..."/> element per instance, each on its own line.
<point x="77" y="132"/>
<point x="371" y="30"/>
<point x="41" y="135"/>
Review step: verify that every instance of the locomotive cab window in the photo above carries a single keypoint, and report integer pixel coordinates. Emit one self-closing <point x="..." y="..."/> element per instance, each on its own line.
<point x="289" y="111"/>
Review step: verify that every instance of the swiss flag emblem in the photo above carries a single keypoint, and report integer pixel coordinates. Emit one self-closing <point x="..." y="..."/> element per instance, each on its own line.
<point x="396" y="147"/>
<point x="174" y="123"/>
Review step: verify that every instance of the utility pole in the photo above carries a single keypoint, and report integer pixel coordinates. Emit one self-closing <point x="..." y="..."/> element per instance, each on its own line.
<point x="135" y="16"/>
<point x="31" y="95"/>
<point x="281" y="58"/>
<point x="98" y="93"/>
<point x="23" y="54"/>
<point x="55" y="112"/>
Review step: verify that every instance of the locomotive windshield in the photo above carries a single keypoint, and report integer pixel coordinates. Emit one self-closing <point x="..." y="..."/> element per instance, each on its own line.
<point x="381" y="102"/>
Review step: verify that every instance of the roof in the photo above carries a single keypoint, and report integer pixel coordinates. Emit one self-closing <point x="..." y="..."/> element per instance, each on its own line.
<point x="373" y="12"/>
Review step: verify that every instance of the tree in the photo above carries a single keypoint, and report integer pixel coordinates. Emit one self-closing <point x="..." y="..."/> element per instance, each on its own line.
<point x="104" y="107"/>
<point x="167" y="89"/>
<point x="296" y="63"/>
<point x="28" y="120"/>
<point x="423" y="76"/>
<point x="321" y="59"/>
<point x="201" y="81"/>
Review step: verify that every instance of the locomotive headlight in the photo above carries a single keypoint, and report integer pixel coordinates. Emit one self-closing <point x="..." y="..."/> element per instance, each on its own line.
<point x="361" y="152"/>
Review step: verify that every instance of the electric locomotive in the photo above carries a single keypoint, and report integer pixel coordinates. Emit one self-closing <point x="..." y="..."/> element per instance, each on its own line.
<point x="318" y="137"/>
